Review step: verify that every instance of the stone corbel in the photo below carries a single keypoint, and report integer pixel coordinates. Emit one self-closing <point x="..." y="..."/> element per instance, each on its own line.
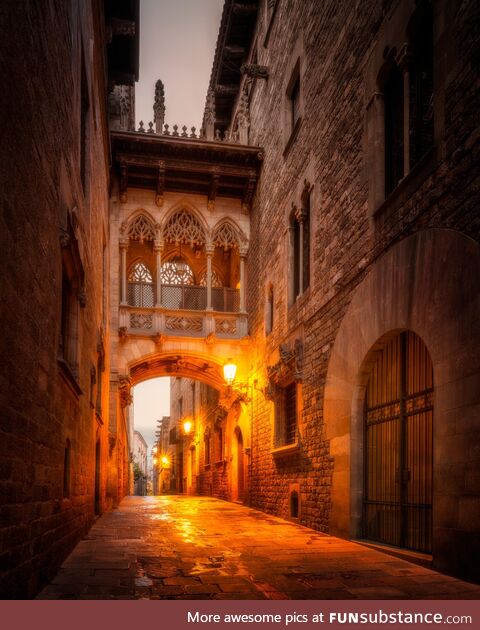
<point x="254" y="70"/>
<point x="289" y="366"/>
<point x="159" y="339"/>
<point x="124" y="390"/>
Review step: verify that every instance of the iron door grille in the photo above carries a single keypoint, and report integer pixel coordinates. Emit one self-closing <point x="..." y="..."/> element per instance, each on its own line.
<point x="399" y="446"/>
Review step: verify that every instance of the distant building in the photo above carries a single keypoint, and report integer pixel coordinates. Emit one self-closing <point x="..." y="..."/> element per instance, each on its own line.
<point x="140" y="472"/>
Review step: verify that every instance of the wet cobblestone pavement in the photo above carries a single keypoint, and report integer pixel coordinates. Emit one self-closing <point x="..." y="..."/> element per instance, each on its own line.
<point x="177" y="547"/>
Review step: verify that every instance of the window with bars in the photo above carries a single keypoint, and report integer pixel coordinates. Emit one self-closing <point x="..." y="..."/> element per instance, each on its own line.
<point x="140" y="286"/>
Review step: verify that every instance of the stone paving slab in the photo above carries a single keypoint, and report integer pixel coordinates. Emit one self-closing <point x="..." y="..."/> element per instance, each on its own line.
<point x="177" y="547"/>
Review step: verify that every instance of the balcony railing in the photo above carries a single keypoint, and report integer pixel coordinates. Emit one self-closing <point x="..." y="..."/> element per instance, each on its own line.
<point x="184" y="297"/>
<point x="161" y="321"/>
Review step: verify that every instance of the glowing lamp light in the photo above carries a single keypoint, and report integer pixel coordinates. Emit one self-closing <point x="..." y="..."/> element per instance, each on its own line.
<point x="154" y="461"/>
<point x="165" y="460"/>
<point x="187" y="427"/>
<point x="155" y="449"/>
<point x="229" y="372"/>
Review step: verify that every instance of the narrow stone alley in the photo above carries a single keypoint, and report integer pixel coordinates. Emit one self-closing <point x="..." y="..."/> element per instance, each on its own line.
<point x="177" y="547"/>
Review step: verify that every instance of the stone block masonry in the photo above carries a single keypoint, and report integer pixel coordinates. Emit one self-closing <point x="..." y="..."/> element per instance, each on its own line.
<point x="47" y="497"/>
<point x="335" y="47"/>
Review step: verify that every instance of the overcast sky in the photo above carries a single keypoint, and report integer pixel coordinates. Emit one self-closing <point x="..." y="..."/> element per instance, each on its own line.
<point x="151" y="401"/>
<point x="177" y="45"/>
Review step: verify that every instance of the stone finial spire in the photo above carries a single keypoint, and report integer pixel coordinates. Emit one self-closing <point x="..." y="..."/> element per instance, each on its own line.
<point x="210" y="116"/>
<point x="159" y="106"/>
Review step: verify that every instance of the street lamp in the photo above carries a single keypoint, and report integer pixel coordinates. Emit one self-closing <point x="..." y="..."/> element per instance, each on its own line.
<point x="229" y="371"/>
<point x="187" y="426"/>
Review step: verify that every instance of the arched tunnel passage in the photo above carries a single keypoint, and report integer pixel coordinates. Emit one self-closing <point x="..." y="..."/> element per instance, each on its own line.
<point x="192" y="366"/>
<point x="195" y="445"/>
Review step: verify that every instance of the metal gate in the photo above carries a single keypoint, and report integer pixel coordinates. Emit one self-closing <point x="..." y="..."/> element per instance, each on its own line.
<point x="397" y="507"/>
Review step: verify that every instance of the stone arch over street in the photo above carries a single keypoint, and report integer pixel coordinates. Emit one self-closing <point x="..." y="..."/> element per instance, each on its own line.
<point x="417" y="285"/>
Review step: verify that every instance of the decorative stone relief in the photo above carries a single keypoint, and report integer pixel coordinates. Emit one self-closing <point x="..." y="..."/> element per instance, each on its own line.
<point x="141" y="229"/>
<point x="141" y="321"/>
<point x="124" y="390"/>
<point x="184" y="227"/>
<point x="209" y="120"/>
<point x="243" y="119"/>
<point x="184" y="324"/>
<point x="290" y="364"/>
<point x="225" y="236"/>
<point x="159" y="106"/>
<point x="254" y="70"/>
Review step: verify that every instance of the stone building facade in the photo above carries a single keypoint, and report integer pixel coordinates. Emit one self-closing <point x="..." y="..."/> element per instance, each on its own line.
<point x="200" y="452"/>
<point x="320" y="232"/>
<point x="139" y="452"/>
<point x="54" y="234"/>
<point x="363" y="268"/>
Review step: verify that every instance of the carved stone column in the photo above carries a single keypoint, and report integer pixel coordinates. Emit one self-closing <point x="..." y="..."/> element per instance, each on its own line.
<point x="123" y="269"/>
<point x="300" y="215"/>
<point x="243" y="255"/>
<point x="158" y="249"/>
<point x="209" y="249"/>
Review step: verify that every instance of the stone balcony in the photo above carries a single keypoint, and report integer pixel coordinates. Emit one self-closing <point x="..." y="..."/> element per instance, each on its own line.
<point x="183" y="313"/>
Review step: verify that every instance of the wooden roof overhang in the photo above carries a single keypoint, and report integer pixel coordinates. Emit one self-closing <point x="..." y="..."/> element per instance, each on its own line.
<point x="234" y="41"/>
<point x="166" y="163"/>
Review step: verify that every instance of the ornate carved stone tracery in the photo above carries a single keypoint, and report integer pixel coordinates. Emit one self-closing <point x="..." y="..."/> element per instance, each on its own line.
<point x="140" y="229"/>
<point x="226" y="236"/>
<point x="184" y="227"/>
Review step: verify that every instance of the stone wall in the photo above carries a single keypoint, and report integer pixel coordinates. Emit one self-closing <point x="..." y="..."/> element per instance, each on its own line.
<point x="338" y="45"/>
<point x="200" y="406"/>
<point x="44" y="403"/>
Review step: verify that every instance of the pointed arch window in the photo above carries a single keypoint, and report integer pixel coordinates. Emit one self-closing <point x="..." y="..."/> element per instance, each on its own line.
<point x="216" y="280"/>
<point x="140" y="286"/>
<point x="177" y="272"/>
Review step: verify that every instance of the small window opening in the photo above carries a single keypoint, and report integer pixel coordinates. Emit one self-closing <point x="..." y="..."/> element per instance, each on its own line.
<point x="294" y="504"/>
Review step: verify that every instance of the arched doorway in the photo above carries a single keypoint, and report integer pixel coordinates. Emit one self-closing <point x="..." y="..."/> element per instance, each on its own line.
<point x="239" y="466"/>
<point x="398" y="445"/>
